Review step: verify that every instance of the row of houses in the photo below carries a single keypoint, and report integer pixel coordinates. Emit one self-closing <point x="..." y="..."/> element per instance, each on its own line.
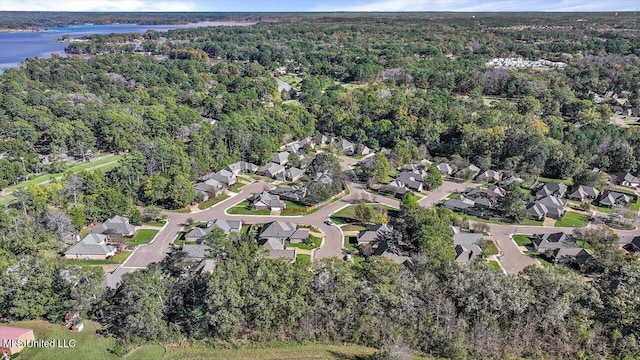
<point x="470" y="172"/>
<point x="477" y="200"/>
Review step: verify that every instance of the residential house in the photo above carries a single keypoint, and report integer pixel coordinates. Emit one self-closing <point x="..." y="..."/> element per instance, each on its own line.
<point x="630" y="180"/>
<point x="371" y="233"/>
<point x="395" y="188"/>
<point x="14" y="339"/>
<point x="348" y="148"/>
<point x="307" y="141"/>
<point x="271" y="170"/>
<point x="295" y="193"/>
<point x="281" y="158"/>
<point x="386" y="152"/>
<point x="552" y="189"/>
<point x="321" y="140"/>
<point x="446" y="169"/>
<point x="293" y="148"/>
<point x="242" y="167"/>
<point x="486" y="198"/>
<point x="460" y="205"/>
<point x="92" y="246"/>
<point x="209" y="189"/>
<point x="227" y="226"/>
<point x="584" y="193"/>
<point x="580" y="258"/>
<point x="274" y="236"/>
<point x="468" y="172"/>
<point x="411" y="179"/>
<point x="549" y="206"/>
<point x="195" y="252"/>
<point x="117" y="225"/>
<point x="490" y="176"/>
<point x="544" y="242"/>
<point x="362" y="150"/>
<point x="612" y="198"/>
<point x="267" y="201"/>
<point x="299" y="236"/>
<point x="206" y="266"/>
<point x="291" y="174"/>
<point x="323" y="177"/>
<point x="225" y="177"/>
<point x="467" y="245"/>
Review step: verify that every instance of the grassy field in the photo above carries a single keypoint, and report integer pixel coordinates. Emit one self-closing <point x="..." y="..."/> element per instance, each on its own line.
<point x="351" y="227"/>
<point x="567" y="182"/>
<point x="522" y="240"/>
<point x="179" y="240"/>
<point x="119" y="258"/>
<point x="527" y="222"/>
<point x="303" y="259"/>
<point x="584" y="245"/>
<point x="209" y="203"/>
<point x="155" y="223"/>
<point x="494" y="264"/>
<point x="490" y="248"/>
<point x="237" y="186"/>
<point x="142" y="237"/>
<point x="89" y="345"/>
<point x="243" y="209"/>
<point x="349" y="212"/>
<point x="572" y="219"/>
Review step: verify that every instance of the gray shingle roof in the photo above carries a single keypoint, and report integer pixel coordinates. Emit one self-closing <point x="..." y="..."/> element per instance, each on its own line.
<point x="196" y="251"/>
<point x="278" y="229"/>
<point x="92" y="244"/>
<point x="115" y="225"/>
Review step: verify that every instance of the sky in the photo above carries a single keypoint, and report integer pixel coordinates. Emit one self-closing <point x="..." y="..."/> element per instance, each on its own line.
<point x="319" y="5"/>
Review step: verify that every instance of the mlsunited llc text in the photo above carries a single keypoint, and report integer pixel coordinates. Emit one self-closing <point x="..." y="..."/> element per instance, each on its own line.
<point x="55" y="343"/>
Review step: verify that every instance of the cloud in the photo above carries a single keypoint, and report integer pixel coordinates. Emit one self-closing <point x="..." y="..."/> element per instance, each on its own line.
<point x="97" y="5"/>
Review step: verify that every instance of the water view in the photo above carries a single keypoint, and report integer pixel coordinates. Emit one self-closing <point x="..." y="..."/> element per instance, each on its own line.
<point x="15" y="47"/>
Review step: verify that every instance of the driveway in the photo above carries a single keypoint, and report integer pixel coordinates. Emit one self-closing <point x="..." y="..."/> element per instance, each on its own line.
<point x="447" y="188"/>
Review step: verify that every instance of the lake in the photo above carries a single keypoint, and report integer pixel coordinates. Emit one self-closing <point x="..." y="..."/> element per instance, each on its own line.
<point x="17" y="46"/>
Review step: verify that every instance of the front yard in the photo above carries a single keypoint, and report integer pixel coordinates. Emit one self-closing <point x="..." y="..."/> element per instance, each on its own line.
<point x="522" y="240"/>
<point x="209" y="203"/>
<point x="315" y="243"/>
<point x="119" y="258"/>
<point x="348" y="244"/>
<point x="490" y="248"/>
<point x="243" y="209"/>
<point x="143" y="236"/>
<point x="573" y="219"/>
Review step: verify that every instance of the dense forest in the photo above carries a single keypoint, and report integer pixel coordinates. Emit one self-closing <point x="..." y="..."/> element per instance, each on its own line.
<point x="417" y="84"/>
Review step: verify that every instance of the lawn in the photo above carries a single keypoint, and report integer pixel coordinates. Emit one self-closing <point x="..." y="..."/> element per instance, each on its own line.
<point x="527" y="222"/>
<point x="604" y="210"/>
<point x="147" y="352"/>
<point x="209" y="203"/>
<point x="142" y="237"/>
<point x="490" y="248"/>
<point x="119" y="258"/>
<point x="351" y="227"/>
<point x="303" y="259"/>
<point x="89" y="345"/>
<point x="243" y="209"/>
<point x="349" y="212"/>
<point x="156" y="223"/>
<point x="315" y="243"/>
<point x="567" y="182"/>
<point x="237" y="186"/>
<point x="348" y="244"/>
<point x="494" y="264"/>
<point x="179" y="240"/>
<point x="573" y="219"/>
<point x="584" y="245"/>
<point x="522" y="240"/>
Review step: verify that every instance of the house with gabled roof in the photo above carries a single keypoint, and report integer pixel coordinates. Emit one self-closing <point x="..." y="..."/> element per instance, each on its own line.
<point x="460" y="204"/>
<point x="290" y="174"/>
<point x="276" y="234"/>
<point x="92" y="246"/>
<point x="411" y="179"/>
<point x="584" y="193"/>
<point x="544" y="242"/>
<point x="196" y="252"/>
<point x="281" y="158"/>
<point x="225" y="177"/>
<point x="117" y="225"/>
<point x="371" y="233"/>
<point x="228" y="226"/>
<point x="466" y="245"/>
<point x="576" y="257"/>
<point x="549" y="206"/>
<point x="242" y="167"/>
<point x="209" y="189"/>
<point x="446" y="168"/>
<point x="321" y="139"/>
<point x="552" y="189"/>
<point x="267" y="201"/>
<point x="348" y="148"/>
<point x="630" y="180"/>
<point x="490" y="176"/>
<point x="271" y="170"/>
<point x="613" y="198"/>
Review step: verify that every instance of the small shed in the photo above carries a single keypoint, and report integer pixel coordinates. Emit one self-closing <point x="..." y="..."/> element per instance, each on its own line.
<point x="77" y="327"/>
